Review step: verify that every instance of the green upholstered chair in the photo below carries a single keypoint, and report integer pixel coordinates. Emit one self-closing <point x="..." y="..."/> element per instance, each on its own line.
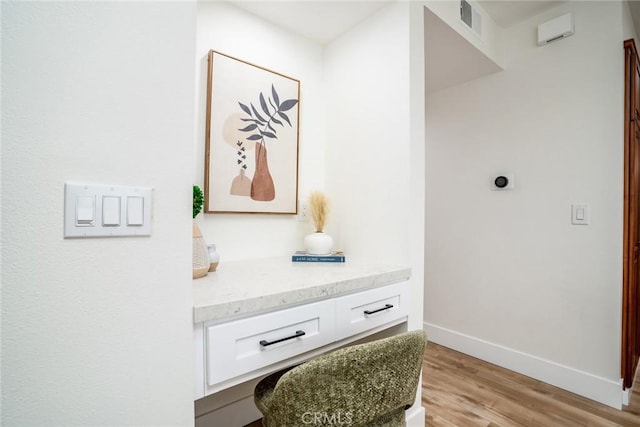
<point x="363" y="385"/>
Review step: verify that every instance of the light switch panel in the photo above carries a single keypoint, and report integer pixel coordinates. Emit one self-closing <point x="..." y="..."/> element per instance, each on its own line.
<point x="106" y="210"/>
<point x="580" y="214"/>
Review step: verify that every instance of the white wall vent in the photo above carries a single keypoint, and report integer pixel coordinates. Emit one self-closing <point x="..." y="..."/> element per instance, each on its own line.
<point x="471" y="17"/>
<point x="556" y="29"/>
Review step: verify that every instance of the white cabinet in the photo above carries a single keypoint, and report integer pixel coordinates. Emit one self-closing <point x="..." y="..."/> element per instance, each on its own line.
<point x="366" y="310"/>
<point x="245" y="345"/>
<point x="235" y="351"/>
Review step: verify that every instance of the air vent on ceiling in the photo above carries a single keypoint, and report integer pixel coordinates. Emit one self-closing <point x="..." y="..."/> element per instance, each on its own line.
<point x="471" y="17"/>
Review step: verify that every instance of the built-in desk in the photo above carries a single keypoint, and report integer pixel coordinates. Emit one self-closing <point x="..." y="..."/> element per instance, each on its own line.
<point x="254" y="317"/>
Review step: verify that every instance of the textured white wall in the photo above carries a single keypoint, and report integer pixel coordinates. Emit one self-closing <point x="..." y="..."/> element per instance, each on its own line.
<point x="96" y="331"/>
<point x="228" y="29"/>
<point x="508" y="267"/>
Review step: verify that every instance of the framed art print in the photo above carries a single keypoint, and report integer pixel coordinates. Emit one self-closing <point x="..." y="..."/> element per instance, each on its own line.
<point x="251" y="158"/>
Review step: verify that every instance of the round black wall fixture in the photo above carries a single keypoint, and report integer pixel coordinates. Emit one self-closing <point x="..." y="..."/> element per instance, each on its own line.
<point x="501" y="181"/>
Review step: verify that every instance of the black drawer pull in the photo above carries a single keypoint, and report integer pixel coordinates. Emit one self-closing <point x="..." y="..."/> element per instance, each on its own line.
<point x="386" y="307"/>
<point x="266" y="343"/>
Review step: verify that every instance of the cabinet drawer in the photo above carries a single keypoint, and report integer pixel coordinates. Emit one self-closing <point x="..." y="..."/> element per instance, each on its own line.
<point x="245" y="345"/>
<point x="362" y="311"/>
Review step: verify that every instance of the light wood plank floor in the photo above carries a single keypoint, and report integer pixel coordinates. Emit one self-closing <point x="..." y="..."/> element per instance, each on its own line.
<point x="461" y="391"/>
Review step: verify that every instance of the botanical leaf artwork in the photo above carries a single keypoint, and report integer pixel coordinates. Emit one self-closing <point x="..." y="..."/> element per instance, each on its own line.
<point x="261" y="125"/>
<point x="251" y="111"/>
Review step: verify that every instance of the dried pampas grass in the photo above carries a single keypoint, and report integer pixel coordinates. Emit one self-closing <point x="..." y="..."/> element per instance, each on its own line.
<point x="319" y="206"/>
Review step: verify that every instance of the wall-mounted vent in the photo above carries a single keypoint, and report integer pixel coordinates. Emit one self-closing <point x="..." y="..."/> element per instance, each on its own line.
<point x="471" y="17"/>
<point x="556" y="29"/>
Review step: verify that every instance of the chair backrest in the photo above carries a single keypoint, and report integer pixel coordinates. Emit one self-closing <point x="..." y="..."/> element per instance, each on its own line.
<point x="356" y="386"/>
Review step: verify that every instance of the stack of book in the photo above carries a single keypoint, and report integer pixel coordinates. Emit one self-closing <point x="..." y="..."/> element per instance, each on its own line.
<point x="302" y="256"/>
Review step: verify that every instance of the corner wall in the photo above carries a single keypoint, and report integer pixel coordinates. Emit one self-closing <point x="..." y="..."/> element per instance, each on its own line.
<point x="368" y="135"/>
<point x="508" y="277"/>
<point x="375" y="144"/>
<point x="96" y="331"/>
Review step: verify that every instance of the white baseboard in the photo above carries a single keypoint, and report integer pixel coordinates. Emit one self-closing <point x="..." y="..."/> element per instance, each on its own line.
<point x="414" y="416"/>
<point x="626" y="394"/>
<point x="585" y="384"/>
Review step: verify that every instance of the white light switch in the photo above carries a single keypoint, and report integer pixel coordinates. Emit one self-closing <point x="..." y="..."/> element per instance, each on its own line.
<point x="92" y="210"/>
<point x="580" y="214"/>
<point x="85" y="211"/>
<point x="111" y="211"/>
<point x="135" y="211"/>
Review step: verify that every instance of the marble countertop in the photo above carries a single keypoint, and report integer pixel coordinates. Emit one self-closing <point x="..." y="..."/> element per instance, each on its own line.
<point x="243" y="288"/>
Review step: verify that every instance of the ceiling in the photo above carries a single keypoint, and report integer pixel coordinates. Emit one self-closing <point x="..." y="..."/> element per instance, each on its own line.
<point x="508" y="13"/>
<point x="320" y="21"/>
<point x="323" y="21"/>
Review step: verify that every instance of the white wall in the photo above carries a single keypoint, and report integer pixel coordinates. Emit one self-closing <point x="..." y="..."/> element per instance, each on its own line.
<point x="375" y="142"/>
<point x="628" y="27"/>
<point x="507" y="269"/>
<point x="361" y="135"/>
<point x="375" y="139"/>
<point x="489" y="42"/>
<point x="368" y="135"/>
<point x="96" y="331"/>
<point x="228" y="29"/>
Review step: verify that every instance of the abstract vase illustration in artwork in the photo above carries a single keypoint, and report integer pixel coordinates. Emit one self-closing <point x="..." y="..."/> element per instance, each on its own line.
<point x="241" y="185"/>
<point x="259" y="126"/>
<point x="262" y="188"/>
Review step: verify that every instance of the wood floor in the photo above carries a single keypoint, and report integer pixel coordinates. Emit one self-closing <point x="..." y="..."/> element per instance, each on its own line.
<point x="461" y="391"/>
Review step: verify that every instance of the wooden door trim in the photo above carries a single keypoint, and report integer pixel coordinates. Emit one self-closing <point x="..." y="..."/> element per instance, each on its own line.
<point x="627" y="362"/>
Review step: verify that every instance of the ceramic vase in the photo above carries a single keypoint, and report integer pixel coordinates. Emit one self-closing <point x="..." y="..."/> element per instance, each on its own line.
<point x="200" y="253"/>
<point x="318" y="243"/>
<point x="214" y="257"/>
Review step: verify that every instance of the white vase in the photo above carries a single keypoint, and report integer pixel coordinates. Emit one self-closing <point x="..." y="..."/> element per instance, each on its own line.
<point x="214" y="257"/>
<point x="318" y="243"/>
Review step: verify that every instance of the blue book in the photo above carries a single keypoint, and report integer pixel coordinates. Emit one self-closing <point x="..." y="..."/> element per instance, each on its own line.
<point x="305" y="257"/>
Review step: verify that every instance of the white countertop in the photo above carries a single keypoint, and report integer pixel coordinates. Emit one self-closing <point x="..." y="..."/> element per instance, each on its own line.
<point x="244" y="288"/>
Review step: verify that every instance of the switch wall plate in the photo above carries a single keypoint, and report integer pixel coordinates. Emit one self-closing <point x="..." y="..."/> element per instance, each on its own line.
<point x="303" y="210"/>
<point x="580" y="214"/>
<point x="103" y="210"/>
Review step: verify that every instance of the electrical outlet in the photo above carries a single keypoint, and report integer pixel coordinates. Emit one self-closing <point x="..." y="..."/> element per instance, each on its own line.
<point x="303" y="210"/>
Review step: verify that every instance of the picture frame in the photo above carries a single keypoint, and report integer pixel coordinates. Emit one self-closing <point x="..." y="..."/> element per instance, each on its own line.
<point x="252" y="138"/>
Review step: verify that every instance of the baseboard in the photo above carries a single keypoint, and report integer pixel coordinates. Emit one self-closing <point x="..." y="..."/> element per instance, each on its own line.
<point x="583" y="383"/>
<point x="626" y="393"/>
<point x="414" y="416"/>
